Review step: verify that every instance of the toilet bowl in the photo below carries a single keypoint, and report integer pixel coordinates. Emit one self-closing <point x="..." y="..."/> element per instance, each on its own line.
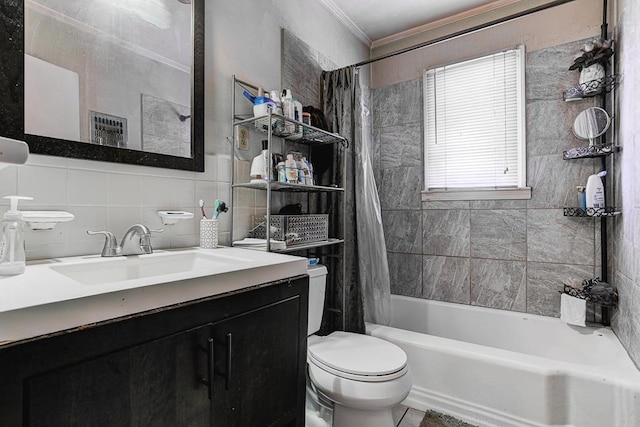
<point x="364" y="377"/>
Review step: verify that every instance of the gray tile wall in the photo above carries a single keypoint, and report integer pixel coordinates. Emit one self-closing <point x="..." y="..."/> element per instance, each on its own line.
<point x="624" y="241"/>
<point x="513" y="254"/>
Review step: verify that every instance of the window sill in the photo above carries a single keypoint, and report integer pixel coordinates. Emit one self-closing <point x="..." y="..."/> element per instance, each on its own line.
<point x="494" y="194"/>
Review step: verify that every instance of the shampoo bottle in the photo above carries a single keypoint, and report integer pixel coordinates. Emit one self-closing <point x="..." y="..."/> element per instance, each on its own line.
<point x="595" y="191"/>
<point x="297" y="116"/>
<point x="12" y="254"/>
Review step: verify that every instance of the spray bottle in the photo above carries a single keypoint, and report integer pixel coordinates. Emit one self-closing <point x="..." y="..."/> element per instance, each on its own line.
<point x="12" y="254"/>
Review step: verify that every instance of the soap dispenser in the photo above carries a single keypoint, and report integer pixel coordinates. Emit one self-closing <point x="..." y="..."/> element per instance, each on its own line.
<point x="12" y="254"/>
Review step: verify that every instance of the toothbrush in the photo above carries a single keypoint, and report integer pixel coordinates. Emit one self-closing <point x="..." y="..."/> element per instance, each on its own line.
<point x="201" y="203"/>
<point x="215" y="209"/>
<point x="221" y="207"/>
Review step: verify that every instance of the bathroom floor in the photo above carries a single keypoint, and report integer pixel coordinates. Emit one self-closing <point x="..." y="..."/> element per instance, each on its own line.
<point x="408" y="417"/>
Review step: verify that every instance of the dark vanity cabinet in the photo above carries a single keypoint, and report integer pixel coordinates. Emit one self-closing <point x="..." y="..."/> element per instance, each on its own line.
<point x="225" y="361"/>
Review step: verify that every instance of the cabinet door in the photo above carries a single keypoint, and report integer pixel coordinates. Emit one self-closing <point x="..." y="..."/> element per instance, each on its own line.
<point x="157" y="384"/>
<point x="256" y="361"/>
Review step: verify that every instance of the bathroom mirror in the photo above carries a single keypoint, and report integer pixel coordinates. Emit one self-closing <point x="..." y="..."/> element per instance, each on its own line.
<point x="591" y="123"/>
<point x="109" y="80"/>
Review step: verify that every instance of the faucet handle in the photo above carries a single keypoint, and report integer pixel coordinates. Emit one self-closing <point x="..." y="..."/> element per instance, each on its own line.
<point x="156" y="230"/>
<point x="111" y="247"/>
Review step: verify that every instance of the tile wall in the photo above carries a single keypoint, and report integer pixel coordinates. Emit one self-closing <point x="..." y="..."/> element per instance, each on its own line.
<point x="513" y="254"/>
<point x="111" y="196"/>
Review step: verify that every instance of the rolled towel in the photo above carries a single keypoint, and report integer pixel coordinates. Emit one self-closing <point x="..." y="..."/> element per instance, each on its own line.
<point x="573" y="310"/>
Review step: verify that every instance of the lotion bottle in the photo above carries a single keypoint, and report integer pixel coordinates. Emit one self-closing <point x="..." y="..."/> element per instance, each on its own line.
<point x="12" y="254"/>
<point x="595" y="191"/>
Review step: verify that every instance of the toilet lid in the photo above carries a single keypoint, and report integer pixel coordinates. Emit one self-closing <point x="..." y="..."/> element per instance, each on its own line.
<point x="358" y="354"/>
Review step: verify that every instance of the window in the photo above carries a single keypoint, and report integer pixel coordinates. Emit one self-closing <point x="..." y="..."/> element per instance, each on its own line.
<point x="475" y="128"/>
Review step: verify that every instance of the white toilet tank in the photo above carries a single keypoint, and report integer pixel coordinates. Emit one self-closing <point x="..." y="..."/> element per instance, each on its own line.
<point x="317" y="285"/>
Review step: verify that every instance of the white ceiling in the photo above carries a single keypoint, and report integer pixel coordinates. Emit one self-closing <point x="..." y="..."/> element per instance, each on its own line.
<point x="374" y="20"/>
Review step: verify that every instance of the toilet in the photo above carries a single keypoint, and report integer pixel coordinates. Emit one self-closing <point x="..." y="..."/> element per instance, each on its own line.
<point x="363" y="376"/>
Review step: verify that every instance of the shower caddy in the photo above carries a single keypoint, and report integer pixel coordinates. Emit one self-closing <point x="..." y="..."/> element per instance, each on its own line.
<point x="601" y="88"/>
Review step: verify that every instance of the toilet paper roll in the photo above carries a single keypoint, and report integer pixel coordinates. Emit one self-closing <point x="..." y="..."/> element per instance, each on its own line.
<point x="573" y="310"/>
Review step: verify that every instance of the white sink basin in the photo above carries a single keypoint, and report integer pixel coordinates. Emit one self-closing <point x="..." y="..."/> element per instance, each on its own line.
<point x="119" y="269"/>
<point x="63" y="293"/>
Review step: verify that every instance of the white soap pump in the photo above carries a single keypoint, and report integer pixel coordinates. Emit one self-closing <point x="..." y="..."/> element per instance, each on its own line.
<point x="12" y="254"/>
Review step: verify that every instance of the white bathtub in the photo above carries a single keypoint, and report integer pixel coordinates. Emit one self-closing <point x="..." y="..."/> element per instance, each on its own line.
<point x="498" y="368"/>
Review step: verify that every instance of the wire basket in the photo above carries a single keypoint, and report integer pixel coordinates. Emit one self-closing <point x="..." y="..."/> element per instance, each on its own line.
<point x="292" y="229"/>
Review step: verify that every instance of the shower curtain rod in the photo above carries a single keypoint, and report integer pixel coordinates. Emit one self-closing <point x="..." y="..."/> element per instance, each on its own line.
<point x="462" y="32"/>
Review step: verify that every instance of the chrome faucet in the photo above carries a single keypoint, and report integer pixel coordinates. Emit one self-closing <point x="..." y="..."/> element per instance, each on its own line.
<point x="136" y="241"/>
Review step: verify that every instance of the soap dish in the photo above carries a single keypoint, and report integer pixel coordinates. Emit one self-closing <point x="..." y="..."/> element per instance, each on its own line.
<point x="45" y="220"/>
<point x="172" y="217"/>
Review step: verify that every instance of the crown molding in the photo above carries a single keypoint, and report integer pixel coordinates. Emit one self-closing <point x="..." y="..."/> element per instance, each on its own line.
<point x="346" y="21"/>
<point x="443" y="22"/>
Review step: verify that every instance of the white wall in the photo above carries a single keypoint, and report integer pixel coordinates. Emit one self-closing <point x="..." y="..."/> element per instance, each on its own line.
<point x="625" y="238"/>
<point x="576" y="20"/>
<point x="242" y="37"/>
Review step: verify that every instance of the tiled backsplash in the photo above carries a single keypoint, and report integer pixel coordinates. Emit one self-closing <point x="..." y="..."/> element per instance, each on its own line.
<point x="112" y="196"/>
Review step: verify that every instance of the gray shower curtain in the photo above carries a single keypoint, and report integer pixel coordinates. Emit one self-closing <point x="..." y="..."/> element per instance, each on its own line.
<point x="365" y="291"/>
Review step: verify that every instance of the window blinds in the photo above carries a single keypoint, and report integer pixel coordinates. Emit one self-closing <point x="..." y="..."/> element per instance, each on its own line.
<point x="474" y="132"/>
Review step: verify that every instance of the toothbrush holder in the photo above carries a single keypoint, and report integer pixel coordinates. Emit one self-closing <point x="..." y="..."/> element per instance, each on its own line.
<point x="208" y="233"/>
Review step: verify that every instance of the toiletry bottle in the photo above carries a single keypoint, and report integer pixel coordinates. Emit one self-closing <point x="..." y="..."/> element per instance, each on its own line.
<point x="595" y="191"/>
<point x="282" y="172"/>
<point x="308" y="172"/>
<point x="12" y="254"/>
<point x="288" y="109"/>
<point x="275" y="97"/>
<point x="301" y="166"/>
<point x="260" y="166"/>
<point x="267" y="175"/>
<point x="582" y="197"/>
<point x="297" y="116"/>
<point x="291" y="169"/>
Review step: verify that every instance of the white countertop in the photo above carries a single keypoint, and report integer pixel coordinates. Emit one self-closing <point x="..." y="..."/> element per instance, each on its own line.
<point x="43" y="300"/>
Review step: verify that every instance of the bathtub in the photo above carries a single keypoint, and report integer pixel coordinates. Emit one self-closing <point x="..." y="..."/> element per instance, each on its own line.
<point x="498" y="368"/>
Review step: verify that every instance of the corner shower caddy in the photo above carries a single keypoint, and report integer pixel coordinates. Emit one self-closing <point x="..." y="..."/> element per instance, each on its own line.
<point x="599" y="87"/>
<point x="312" y="136"/>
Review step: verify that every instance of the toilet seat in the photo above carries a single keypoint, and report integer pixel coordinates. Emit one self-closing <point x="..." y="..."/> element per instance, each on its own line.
<point x="358" y="357"/>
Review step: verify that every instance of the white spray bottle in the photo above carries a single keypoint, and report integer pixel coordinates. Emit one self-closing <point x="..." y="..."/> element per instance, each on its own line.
<point x="12" y="254"/>
<point x="595" y="191"/>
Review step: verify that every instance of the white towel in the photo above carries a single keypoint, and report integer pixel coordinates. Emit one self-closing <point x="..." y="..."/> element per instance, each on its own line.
<point x="573" y="310"/>
<point x="259" y="244"/>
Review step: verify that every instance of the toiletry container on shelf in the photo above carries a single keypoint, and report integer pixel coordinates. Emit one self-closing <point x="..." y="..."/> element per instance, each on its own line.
<point x="595" y="191"/>
<point x="364" y="376"/>
<point x="12" y="228"/>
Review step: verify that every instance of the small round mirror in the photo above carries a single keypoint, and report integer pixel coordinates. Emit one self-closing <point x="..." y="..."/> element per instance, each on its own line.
<point x="591" y="123"/>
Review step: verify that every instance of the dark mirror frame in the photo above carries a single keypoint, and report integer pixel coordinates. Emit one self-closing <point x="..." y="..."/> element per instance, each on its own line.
<point x="12" y="100"/>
